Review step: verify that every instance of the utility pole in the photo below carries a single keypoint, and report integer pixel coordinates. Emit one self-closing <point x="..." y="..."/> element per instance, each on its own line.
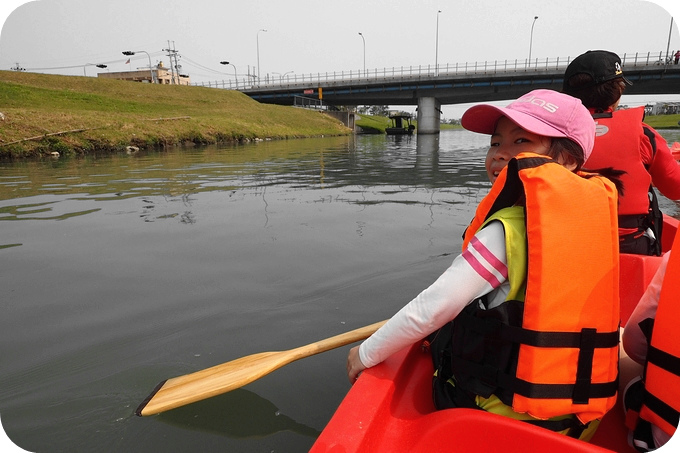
<point x="670" y="32"/>
<point x="172" y="54"/>
<point x="436" y="51"/>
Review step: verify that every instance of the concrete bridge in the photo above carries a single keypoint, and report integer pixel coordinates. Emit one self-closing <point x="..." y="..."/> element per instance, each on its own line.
<point x="429" y="87"/>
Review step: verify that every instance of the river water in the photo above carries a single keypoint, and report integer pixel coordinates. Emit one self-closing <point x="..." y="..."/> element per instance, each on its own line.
<point x="119" y="272"/>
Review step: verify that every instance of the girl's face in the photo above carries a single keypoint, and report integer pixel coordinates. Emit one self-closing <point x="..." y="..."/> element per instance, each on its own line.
<point x="507" y="141"/>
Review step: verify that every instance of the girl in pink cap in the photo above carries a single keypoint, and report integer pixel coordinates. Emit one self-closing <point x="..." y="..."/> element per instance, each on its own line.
<point x="507" y="330"/>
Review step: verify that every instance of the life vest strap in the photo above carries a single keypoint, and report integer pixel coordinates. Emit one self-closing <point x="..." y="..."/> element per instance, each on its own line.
<point x="447" y="396"/>
<point x="586" y="341"/>
<point x="637" y="221"/>
<point x="664" y="360"/>
<point x="572" y="423"/>
<point x="663" y="410"/>
<point x="560" y="391"/>
<point x="490" y="326"/>
<point x="533" y="390"/>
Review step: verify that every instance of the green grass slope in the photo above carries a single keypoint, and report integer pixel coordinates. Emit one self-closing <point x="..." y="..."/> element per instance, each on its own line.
<point x="45" y="113"/>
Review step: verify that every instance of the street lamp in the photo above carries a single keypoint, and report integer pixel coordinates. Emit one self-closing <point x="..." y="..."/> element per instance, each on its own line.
<point x="364" y="40"/>
<point x="281" y="76"/>
<point x="257" y="38"/>
<point x="102" y="66"/>
<point x="531" y="40"/>
<point x="670" y="32"/>
<point x="235" y="75"/>
<point x="436" y="50"/>
<point x="130" y="52"/>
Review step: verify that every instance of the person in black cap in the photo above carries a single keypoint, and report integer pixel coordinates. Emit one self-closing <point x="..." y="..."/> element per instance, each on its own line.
<point x="624" y="142"/>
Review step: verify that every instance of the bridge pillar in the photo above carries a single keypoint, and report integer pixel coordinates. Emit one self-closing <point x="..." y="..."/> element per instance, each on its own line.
<point x="429" y="114"/>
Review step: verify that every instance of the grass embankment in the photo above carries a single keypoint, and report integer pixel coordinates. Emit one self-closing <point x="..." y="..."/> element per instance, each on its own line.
<point x="372" y="124"/>
<point x="663" y="121"/>
<point x="86" y="114"/>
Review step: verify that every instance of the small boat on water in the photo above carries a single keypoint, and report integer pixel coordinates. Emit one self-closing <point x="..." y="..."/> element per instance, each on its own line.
<point x="400" y="124"/>
<point x="390" y="406"/>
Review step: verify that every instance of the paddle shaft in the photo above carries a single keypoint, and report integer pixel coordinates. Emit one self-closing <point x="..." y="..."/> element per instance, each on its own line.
<point x="228" y="376"/>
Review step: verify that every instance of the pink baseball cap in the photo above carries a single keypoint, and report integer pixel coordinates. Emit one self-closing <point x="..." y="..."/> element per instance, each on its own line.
<point x="543" y="112"/>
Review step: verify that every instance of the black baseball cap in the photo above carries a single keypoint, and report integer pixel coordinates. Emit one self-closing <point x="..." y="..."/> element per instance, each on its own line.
<point x="601" y="65"/>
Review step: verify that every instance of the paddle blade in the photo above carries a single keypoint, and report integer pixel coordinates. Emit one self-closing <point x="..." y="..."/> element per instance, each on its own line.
<point x="213" y="381"/>
<point x="231" y="375"/>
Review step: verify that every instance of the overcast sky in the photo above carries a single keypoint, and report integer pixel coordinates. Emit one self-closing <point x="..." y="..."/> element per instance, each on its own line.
<point x="312" y="36"/>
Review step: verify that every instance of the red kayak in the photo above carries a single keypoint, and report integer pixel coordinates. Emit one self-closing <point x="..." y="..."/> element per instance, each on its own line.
<point x="390" y="407"/>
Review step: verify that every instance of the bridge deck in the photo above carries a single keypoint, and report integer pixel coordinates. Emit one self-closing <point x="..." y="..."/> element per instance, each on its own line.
<point x="452" y="88"/>
<point x="452" y="84"/>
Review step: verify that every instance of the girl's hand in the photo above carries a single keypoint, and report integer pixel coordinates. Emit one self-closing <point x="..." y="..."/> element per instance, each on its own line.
<point x="354" y="365"/>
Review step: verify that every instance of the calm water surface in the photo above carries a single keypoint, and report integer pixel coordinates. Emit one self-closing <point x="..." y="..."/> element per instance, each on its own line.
<point x="119" y="272"/>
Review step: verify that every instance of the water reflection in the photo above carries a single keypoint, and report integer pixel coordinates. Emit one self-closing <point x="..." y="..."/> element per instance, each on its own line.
<point x="120" y="271"/>
<point x="33" y="211"/>
<point x="427" y="153"/>
<point x="239" y="414"/>
<point x="178" y="176"/>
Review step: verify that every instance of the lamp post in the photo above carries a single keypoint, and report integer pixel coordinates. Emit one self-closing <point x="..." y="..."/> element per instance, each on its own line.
<point x="257" y="38"/>
<point x="436" y="49"/>
<point x="102" y="66"/>
<point x="364" y="40"/>
<point x="235" y="75"/>
<point x="131" y="52"/>
<point x="670" y="32"/>
<point x="281" y="76"/>
<point x="531" y="39"/>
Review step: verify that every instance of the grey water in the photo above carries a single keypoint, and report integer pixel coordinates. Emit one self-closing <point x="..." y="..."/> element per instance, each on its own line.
<point x="119" y="272"/>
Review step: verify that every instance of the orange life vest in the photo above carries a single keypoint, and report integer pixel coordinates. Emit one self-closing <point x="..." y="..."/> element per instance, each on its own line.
<point x="566" y="341"/>
<point x="661" y="400"/>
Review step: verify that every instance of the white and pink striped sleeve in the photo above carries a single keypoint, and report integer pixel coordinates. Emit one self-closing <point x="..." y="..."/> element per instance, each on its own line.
<point x="481" y="268"/>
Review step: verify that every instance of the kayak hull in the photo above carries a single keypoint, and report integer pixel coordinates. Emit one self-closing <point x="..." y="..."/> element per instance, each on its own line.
<point x="390" y="407"/>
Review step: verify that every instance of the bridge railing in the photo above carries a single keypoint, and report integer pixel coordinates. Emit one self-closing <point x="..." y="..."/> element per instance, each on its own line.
<point x="309" y="103"/>
<point x="406" y="73"/>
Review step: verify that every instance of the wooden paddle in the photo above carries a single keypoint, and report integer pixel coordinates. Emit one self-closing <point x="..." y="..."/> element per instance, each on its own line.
<point x="228" y="376"/>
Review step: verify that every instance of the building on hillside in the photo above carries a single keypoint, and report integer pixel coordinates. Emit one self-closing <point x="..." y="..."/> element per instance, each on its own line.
<point x="159" y="72"/>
